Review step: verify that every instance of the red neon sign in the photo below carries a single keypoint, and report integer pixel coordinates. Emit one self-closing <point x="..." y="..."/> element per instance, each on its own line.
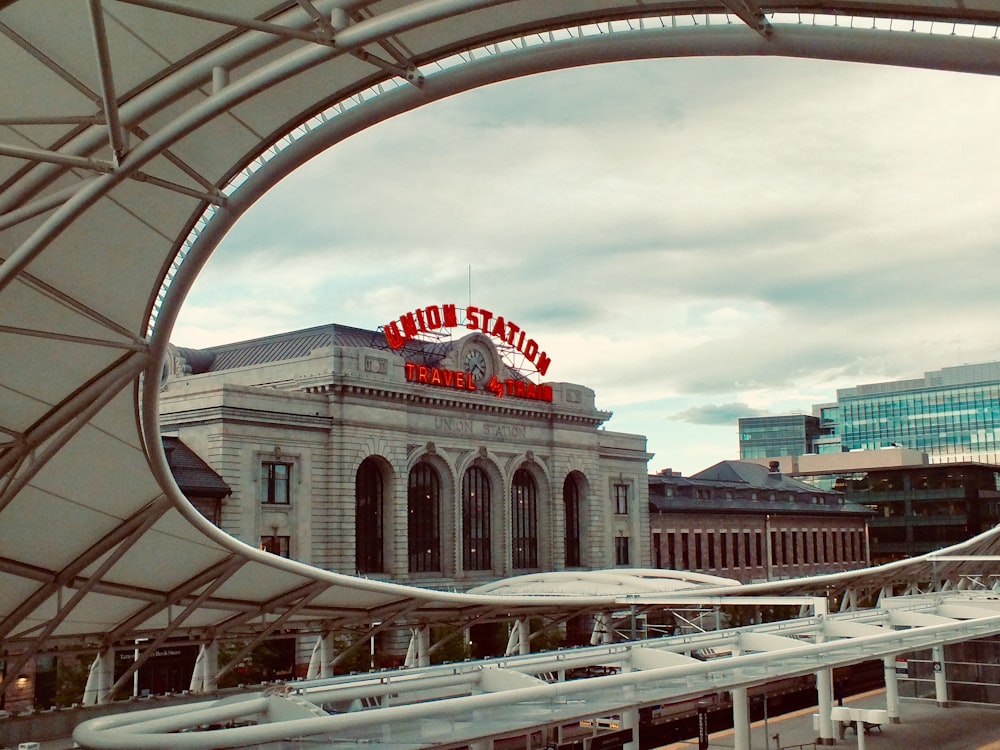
<point x="463" y="381"/>
<point x="435" y="317"/>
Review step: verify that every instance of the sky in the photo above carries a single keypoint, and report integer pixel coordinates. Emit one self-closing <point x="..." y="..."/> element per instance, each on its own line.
<point x="695" y="239"/>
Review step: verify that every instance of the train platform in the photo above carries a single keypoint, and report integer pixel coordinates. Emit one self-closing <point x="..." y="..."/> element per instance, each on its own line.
<point x="923" y="726"/>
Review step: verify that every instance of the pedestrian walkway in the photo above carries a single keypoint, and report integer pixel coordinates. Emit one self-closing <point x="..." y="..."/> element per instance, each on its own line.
<point x="923" y="726"/>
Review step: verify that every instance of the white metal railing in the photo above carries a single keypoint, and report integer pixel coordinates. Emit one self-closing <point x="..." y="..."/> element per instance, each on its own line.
<point x="513" y="704"/>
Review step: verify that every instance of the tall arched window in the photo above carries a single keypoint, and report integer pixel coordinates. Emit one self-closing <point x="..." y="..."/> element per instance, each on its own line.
<point x="524" y="520"/>
<point x="368" y="513"/>
<point x="423" y="506"/>
<point x="571" y="505"/>
<point x="476" y="520"/>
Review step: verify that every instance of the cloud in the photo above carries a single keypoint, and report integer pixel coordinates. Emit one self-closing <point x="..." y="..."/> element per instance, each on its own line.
<point x="718" y="414"/>
<point x="752" y="231"/>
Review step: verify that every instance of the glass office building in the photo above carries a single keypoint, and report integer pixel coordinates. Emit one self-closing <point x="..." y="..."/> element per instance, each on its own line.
<point x="789" y="435"/>
<point x="952" y="414"/>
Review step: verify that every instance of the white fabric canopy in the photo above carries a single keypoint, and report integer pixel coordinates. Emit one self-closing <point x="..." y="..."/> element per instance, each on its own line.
<point x="134" y="133"/>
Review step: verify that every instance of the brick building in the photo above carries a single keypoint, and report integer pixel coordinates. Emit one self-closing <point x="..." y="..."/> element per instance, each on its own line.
<point x="753" y="523"/>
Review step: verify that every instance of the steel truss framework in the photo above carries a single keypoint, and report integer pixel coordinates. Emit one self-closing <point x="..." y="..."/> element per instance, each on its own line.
<point x="136" y="132"/>
<point x="472" y="703"/>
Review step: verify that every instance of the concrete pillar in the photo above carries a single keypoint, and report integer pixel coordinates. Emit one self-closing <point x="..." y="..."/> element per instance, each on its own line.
<point x="602" y="632"/>
<point x="940" y="676"/>
<point x="891" y="688"/>
<point x="420" y="643"/>
<point x="204" y="679"/>
<point x="322" y="655"/>
<point x="424" y="636"/>
<point x="524" y="642"/>
<point x="741" y="719"/>
<point x="630" y="720"/>
<point x="824" y="697"/>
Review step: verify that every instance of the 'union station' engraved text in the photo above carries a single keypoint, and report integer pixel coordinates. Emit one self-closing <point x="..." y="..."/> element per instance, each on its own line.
<point x="490" y="430"/>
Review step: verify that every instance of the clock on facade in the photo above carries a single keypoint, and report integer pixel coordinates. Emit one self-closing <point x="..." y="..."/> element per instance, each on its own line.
<point x="476" y="362"/>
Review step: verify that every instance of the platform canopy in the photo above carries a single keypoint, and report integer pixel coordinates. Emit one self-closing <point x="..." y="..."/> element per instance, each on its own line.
<point x="133" y="133"/>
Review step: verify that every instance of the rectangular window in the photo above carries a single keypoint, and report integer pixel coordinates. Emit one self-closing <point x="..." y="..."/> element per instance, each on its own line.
<point x="277" y="482"/>
<point x="621" y="499"/>
<point x="621" y="550"/>
<point x="277" y="545"/>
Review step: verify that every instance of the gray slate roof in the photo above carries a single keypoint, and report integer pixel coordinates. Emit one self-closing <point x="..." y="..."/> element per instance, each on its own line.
<point x="754" y="476"/>
<point x="192" y="474"/>
<point x="295" y="344"/>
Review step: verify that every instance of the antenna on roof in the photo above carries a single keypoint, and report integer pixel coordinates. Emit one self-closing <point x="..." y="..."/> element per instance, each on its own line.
<point x="470" y="285"/>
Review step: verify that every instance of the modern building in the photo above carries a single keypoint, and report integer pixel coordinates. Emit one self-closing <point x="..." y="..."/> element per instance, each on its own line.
<point x="952" y="415"/>
<point x="405" y="454"/>
<point x="918" y="508"/>
<point x="786" y="435"/>
<point x="753" y="523"/>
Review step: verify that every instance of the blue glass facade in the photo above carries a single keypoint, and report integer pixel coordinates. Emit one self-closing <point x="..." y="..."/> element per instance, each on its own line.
<point x="952" y="415"/>
<point x="790" y="435"/>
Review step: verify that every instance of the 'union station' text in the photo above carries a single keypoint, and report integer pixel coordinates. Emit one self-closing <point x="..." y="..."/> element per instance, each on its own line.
<point x="436" y="317"/>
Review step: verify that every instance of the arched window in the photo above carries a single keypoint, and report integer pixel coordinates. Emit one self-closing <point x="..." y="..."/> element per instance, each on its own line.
<point x="423" y="506"/>
<point x="571" y="505"/>
<point x="476" y="520"/>
<point x="368" y="512"/>
<point x="524" y="520"/>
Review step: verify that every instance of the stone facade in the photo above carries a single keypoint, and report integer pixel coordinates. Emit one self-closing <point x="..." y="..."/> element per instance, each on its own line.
<point x="301" y="425"/>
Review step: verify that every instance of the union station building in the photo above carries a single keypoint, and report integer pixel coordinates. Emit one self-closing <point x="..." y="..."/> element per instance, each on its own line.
<point x="430" y="451"/>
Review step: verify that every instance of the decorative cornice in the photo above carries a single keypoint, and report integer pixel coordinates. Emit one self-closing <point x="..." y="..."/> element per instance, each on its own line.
<point x="593" y="419"/>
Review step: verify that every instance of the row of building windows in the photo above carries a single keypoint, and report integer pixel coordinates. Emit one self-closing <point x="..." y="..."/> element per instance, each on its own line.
<point x="424" y="519"/>
<point x="424" y="499"/>
<point x="722" y="550"/>
<point x="945" y="421"/>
